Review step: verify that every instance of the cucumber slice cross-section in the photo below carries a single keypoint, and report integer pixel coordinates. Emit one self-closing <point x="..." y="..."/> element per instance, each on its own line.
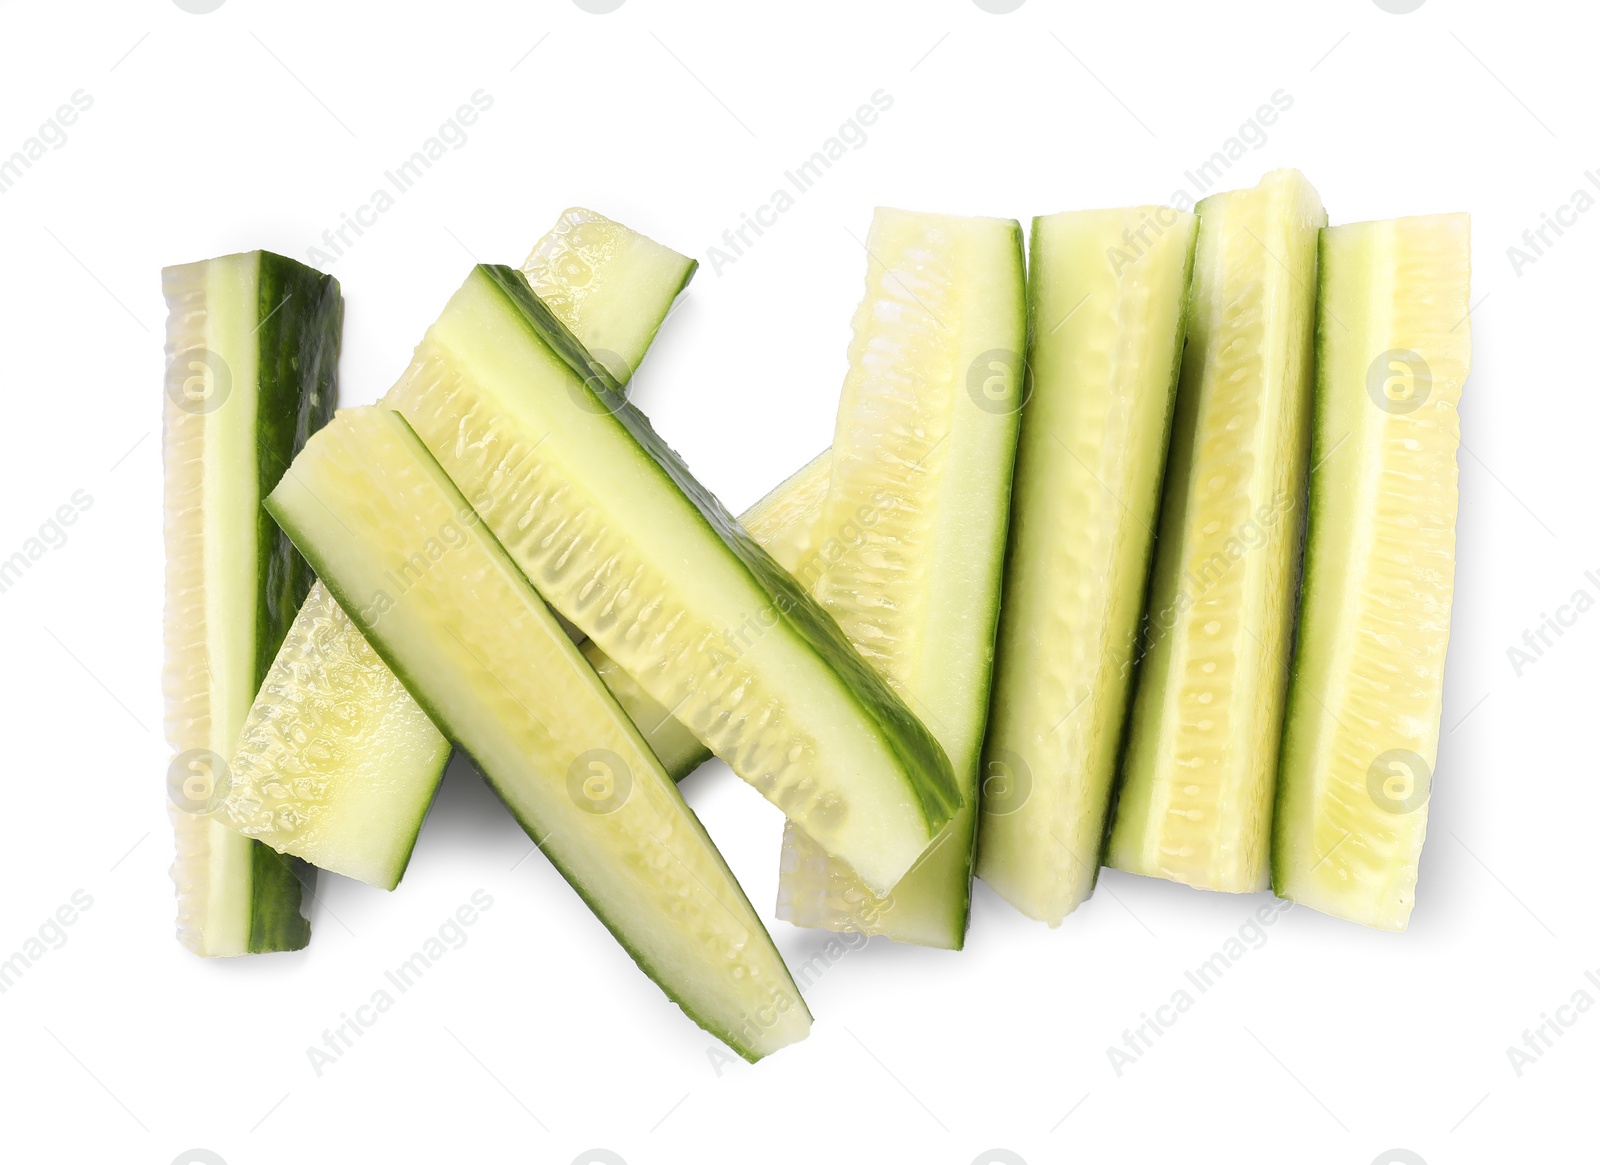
<point x="617" y="535"/>
<point x="1195" y="800"/>
<point x="336" y="763"/>
<point x="917" y="507"/>
<point x="1361" y="733"/>
<point x="1106" y="296"/>
<point x="252" y="354"/>
<point x="457" y="621"/>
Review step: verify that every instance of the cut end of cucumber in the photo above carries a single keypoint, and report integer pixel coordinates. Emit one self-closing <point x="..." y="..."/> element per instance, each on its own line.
<point x="336" y="764"/>
<point x="926" y="908"/>
<point x="570" y="271"/>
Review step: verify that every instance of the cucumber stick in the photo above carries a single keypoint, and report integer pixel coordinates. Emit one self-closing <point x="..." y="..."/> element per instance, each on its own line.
<point x="477" y="647"/>
<point x="1106" y="296"/>
<point x="336" y="763"/>
<point x="612" y="529"/>
<point x="252" y="354"/>
<point x="783" y="522"/>
<point x="915" y="523"/>
<point x="1361" y="734"/>
<point x="1195" y="802"/>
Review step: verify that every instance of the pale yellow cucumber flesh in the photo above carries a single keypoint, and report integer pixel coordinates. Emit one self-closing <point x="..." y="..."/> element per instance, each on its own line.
<point x="912" y="535"/>
<point x="1361" y="734"/>
<point x="1195" y="800"/>
<point x="783" y="522"/>
<point x="336" y="763"/>
<point x="1106" y="298"/>
<point x="478" y="648"/>
<point x="205" y="705"/>
<point x="333" y="750"/>
<point x="616" y="534"/>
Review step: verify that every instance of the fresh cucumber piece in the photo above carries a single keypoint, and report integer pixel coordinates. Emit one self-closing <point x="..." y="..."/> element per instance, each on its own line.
<point x="478" y="648"/>
<point x="918" y="499"/>
<point x="783" y="522"/>
<point x="1361" y="733"/>
<point x="336" y="763"/>
<point x="1106" y="297"/>
<point x="1195" y="803"/>
<point x="252" y="355"/>
<point x="612" y="287"/>
<point x="618" y="536"/>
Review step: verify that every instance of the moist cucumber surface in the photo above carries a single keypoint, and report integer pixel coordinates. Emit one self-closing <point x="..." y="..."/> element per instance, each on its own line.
<point x="915" y="530"/>
<point x="252" y="353"/>
<point x="1361" y="734"/>
<point x="783" y="522"/>
<point x="336" y="763"/>
<point x="1106" y="296"/>
<point x="478" y="648"/>
<point x="1195" y="800"/>
<point x="618" y="536"/>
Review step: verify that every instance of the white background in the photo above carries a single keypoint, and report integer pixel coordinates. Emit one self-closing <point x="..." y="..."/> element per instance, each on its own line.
<point x="259" y="124"/>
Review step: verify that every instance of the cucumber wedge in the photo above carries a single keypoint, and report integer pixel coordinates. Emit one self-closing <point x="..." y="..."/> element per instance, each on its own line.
<point x="1195" y="803"/>
<point x="336" y="763"/>
<point x="1362" y="729"/>
<point x="252" y="355"/>
<point x="917" y="505"/>
<point x="618" y="536"/>
<point x="1106" y="296"/>
<point x="482" y="653"/>
<point x="783" y="522"/>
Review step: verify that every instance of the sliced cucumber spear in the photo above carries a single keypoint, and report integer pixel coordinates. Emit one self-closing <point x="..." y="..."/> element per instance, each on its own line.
<point x="1361" y="734"/>
<point x="477" y="647"/>
<point x="618" y="536"/>
<point x="783" y="522"/>
<point x="336" y="763"/>
<point x="1195" y="804"/>
<point x="252" y="354"/>
<point x="1106" y="297"/>
<point x="914" y="527"/>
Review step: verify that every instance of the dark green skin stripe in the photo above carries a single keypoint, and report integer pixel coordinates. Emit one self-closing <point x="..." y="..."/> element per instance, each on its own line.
<point x="297" y="353"/>
<point x="297" y="349"/>
<point x="905" y="734"/>
<point x="278" y="886"/>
